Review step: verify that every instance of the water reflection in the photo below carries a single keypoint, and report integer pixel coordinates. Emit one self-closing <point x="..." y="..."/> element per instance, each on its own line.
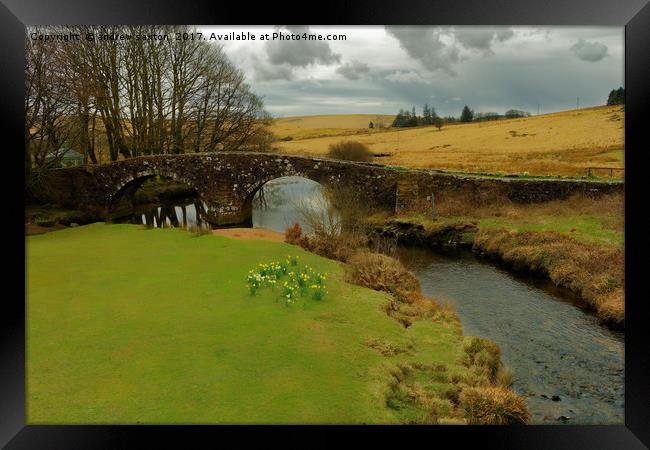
<point x="553" y="347"/>
<point x="281" y="203"/>
<point x="188" y="214"/>
<point x="288" y="200"/>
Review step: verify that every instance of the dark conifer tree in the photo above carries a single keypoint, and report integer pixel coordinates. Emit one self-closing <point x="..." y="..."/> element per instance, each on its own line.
<point x="467" y="115"/>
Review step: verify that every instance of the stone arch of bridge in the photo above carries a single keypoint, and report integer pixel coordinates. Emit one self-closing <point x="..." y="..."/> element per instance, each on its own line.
<point x="253" y="190"/>
<point x="125" y="190"/>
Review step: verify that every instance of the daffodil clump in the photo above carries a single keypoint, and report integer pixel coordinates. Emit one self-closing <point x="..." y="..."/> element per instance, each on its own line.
<point x="297" y="283"/>
<point x="256" y="280"/>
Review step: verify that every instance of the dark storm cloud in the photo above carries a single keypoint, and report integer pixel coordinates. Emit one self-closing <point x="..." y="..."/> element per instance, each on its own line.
<point x="283" y="56"/>
<point x="425" y="45"/>
<point x="589" y="51"/>
<point x="352" y="70"/>
<point x="300" y="53"/>
<point x="481" y="38"/>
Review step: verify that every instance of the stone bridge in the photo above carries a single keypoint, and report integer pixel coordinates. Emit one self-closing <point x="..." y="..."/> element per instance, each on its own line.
<point x="228" y="181"/>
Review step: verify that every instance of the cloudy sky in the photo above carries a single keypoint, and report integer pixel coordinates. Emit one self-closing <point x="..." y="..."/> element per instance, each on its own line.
<point x="378" y="70"/>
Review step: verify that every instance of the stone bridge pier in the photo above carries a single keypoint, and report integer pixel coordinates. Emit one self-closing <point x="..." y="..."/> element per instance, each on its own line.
<point x="226" y="206"/>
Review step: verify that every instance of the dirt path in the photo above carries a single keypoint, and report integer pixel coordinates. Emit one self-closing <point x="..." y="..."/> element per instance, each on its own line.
<point x="258" y="234"/>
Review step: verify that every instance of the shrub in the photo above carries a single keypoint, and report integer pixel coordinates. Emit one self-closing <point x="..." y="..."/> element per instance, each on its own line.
<point x="350" y="151"/>
<point x="493" y="406"/>
<point x="292" y="234"/>
<point x="339" y="247"/>
<point x="381" y="272"/>
<point x="338" y="223"/>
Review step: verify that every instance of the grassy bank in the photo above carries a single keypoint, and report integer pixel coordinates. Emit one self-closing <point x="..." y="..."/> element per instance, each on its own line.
<point x="599" y="221"/>
<point x="134" y="325"/>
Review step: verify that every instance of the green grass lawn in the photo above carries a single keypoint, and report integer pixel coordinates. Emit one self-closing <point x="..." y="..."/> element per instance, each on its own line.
<point x="133" y="325"/>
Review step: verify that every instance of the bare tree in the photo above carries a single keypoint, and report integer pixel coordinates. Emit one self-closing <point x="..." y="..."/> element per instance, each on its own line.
<point x="137" y="96"/>
<point x="48" y="105"/>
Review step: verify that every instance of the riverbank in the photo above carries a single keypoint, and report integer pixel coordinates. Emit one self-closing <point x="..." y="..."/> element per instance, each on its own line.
<point x="111" y="332"/>
<point x="592" y="266"/>
<point x="44" y="218"/>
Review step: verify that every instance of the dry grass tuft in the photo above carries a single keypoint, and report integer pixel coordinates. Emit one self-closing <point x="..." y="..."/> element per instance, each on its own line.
<point x="423" y="405"/>
<point x="386" y="348"/>
<point x="340" y="247"/>
<point x="493" y="406"/>
<point x="457" y="398"/>
<point x="385" y="273"/>
<point x="483" y="355"/>
<point x="350" y="151"/>
<point x="504" y="377"/>
<point x="382" y="273"/>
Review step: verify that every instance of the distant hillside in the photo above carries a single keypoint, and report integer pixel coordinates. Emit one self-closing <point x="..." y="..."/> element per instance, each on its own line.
<point x="305" y="127"/>
<point x="563" y="143"/>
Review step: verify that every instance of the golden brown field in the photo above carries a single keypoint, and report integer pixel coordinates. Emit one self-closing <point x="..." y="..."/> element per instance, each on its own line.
<point x="563" y="143"/>
<point x="309" y="127"/>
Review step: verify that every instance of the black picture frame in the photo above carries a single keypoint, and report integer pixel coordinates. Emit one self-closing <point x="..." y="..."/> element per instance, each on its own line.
<point x="633" y="14"/>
